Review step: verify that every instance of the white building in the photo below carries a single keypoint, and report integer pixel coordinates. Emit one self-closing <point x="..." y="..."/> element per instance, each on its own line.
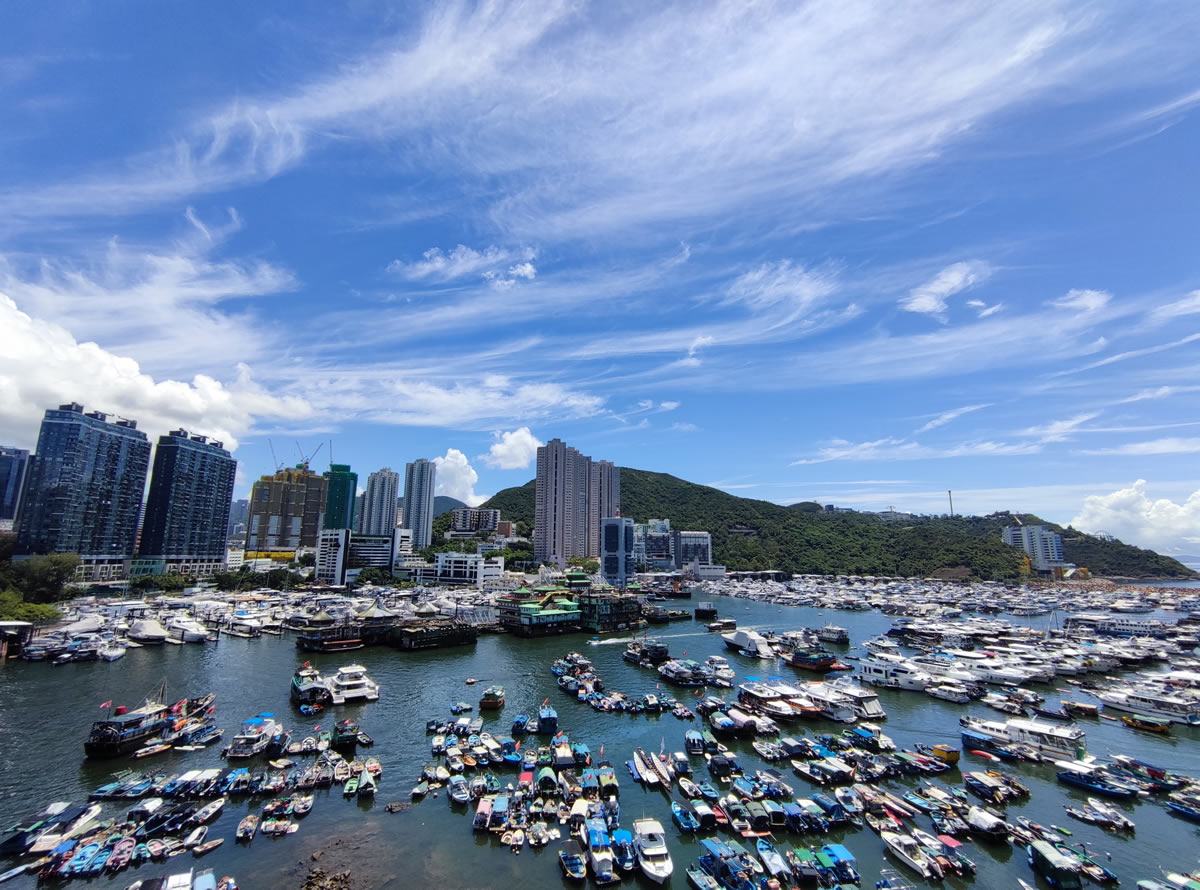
<point x="234" y="557"/>
<point x="333" y="551"/>
<point x="379" y="502"/>
<point x="1042" y="546"/>
<point x="468" y="568"/>
<point x="420" y="478"/>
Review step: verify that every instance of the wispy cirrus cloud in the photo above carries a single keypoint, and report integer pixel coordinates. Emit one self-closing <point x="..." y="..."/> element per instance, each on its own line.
<point x="893" y="449"/>
<point x="930" y="298"/>
<point x="1172" y="445"/>
<point x="947" y="416"/>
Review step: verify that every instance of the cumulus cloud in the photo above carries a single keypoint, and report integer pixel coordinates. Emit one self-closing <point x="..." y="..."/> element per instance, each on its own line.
<point x="930" y="297"/>
<point x="513" y="450"/>
<point x="42" y="366"/>
<point x="1133" y="516"/>
<point x="456" y="478"/>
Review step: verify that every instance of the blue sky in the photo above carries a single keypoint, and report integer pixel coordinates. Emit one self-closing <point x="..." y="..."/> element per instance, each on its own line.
<point x="835" y="250"/>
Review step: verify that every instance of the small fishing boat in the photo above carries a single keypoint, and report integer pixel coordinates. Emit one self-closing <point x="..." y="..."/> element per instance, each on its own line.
<point x="207" y="846"/>
<point x="247" y="828"/>
<point x="1146" y="724"/>
<point x="572" y="863"/>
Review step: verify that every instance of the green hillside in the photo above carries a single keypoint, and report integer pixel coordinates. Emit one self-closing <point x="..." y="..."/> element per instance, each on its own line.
<point x="750" y="534"/>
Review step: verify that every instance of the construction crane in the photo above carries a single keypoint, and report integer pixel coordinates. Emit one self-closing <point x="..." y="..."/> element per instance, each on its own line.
<point x="305" y="460"/>
<point x="274" y="459"/>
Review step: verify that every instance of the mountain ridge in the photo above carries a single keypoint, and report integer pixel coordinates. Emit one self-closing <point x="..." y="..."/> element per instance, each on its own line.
<point x="801" y="538"/>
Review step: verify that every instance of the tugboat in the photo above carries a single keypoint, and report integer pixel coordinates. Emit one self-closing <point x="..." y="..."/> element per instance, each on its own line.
<point x="492" y="699"/>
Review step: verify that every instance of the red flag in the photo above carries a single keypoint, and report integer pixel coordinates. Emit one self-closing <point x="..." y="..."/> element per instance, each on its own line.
<point x="546" y="702"/>
<point x="684" y="655"/>
<point x="107" y="704"/>
<point x="315" y="728"/>
<point x="307" y="663"/>
<point x="601" y="750"/>
<point x="518" y="747"/>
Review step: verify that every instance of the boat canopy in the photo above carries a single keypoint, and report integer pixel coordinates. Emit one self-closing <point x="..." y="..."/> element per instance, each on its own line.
<point x="717" y="848"/>
<point x="840" y="853"/>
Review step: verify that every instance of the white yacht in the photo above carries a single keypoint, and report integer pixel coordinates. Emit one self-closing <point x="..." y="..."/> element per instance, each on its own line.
<point x="833" y="704"/>
<point x="351" y="683"/>
<point x="947" y="690"/>
<point x="892" y="671"/>
<point x="882" y="644"/>
<point x="905" y="848"/>
<point x="1047" y="738"/>
<point x="832" y="633"/>
<point x="254" y="737"/>
<point x="1164" y="705"/>
<point x="944" y="668"/>
<point x="650" y="845"/>
<point x="148" y="632"/>
<point x="720" y="668"/>
<point x="864" y="701"/>
<point x="750" y="643"/>
<point x="111" y="651"/>
<point x="187" y="629"/>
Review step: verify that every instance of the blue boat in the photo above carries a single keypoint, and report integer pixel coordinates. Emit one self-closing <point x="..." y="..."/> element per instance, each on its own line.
<point x="518" y="726"/>
<point x="684" y="817"/>
<point x="844" y="863"/>
<point x="622" y="849"/>
<point x="1185" y="810"/>
<point x="1094" y="783"/>
<point x="547" y="720"/>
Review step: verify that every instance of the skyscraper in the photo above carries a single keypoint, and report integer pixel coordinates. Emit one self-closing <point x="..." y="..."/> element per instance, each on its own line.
<point x="187" y="510"/>
<point x="286" y="510"/>
<point x="13" y="463"/>
<point x="420" y="477"/>
<point x="83" y="490"/>
<point x="603" y="499"/>
<point x="343" y="492"/>
<point x="616" y="551"/>
<point x="574" y="494"/>
<point x="379" y="504"/>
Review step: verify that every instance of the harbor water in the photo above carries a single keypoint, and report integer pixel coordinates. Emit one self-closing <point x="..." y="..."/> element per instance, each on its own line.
<point x="46" y="711"/>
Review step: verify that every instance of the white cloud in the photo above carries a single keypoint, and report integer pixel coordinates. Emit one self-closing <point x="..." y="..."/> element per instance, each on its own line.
<point x="930" y="297"/>
<point x="1131" y="515"/>
<point x="460" y="262"/>
<point x="782" y="287"/>
<point x="1160" y="392"/>
<point x="667" y="406"/>
<point x="42" y="366"/>
<point x="946" y="416"/>
<point x="991" y="310"/>
<point x="523" y="270"/>
<point x="155" y="302"/>
<point x="513" y="450"/>
<point x="1132" y="353"/>
<point x="1059" y="430"/>
<point x="1083" y="300"/>
<point x="456" y="478"/>
<point x="684" y="427"/>
<point x="893" y="449"/>
<point x="1189" y="305"/>
<point x="1173" y="445"/>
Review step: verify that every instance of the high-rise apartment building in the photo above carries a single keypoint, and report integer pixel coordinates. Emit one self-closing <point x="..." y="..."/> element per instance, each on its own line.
<point x="239" y="515"/>
<point x="379" y="502"/>
<point x="83" y="490"/>
<point x="573" y="495"/>
<point x="420" y="478"/>
<point x="13" y="463"/>
<point x="616" y="551"/>
<point x="1042" y="546"/>
<point x="603" y="500"/>
<point x="287" y="510"/>
<point x="342" y="497"/>
<point x="187" y="509"/>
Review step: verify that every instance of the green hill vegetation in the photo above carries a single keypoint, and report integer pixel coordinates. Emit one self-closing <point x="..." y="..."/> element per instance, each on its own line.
<point x="752" y="534"/>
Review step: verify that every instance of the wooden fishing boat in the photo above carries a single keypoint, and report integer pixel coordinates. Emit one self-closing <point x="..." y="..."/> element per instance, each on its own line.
<point x="207" y="845"/>
<point x="1146" y="724"/>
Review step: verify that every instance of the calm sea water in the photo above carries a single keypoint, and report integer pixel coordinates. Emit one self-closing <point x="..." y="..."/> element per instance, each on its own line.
<point x="45" y="713"/>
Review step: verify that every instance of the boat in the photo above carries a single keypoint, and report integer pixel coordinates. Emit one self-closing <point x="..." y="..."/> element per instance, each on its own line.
<point x="893" y="672"/>
<point x="366" y="784"/>
<point x="254" y="738"/>
<point x="775" y="864"/>
<point x="594" y="834"/>
<point x="700" y="879"/>
<point x="147" y="632"/>
<point x="1167" y="706"/>
<point x="351" y="684"/>
<point x="1044" y="738"/>
<point x="247" y="828"/>
<point x="205" y="847"/>
<point x="572" y="863"/>
<point x="684" y="817"/>
<point x="906" y="849"/>
<point x="492" y="699"/>
<point x="124" y="731"/>
<point x="1146" y="724"/>
<point x="1092" y="779"/>
<point x="749" y="643"/>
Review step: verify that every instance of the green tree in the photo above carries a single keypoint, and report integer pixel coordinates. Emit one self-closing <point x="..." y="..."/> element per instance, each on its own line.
<point x="308" y="560"/>
<point x="39" y="579"/>
<point x="591" y="566"/>
<point x="374" y="575"/>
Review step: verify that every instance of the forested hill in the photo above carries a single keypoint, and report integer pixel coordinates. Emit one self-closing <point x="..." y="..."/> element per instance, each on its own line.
<point x="750" y="534"/>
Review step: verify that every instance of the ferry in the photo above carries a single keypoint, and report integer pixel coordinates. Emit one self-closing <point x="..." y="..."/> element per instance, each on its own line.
<point x="1045" y="738"/>
<point x="1175" y="708"/>
<point x="492" y="699"/>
